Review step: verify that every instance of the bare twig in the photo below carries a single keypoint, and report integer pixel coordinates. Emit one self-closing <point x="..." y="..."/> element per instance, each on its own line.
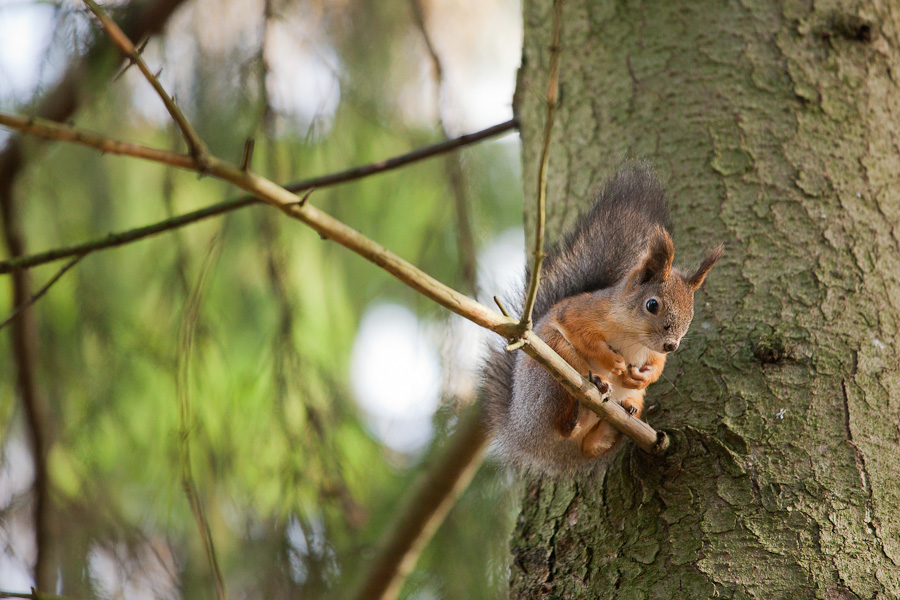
<point x="120" y="39"/>
<point x="38" y="416"/>
<point x="141" y="19"/>
<point x="186" y="341"/>
<point x="37" y="295"/>
<point x="33" y="595"/>
<point x="140" y="50"/>
<point x="51" y="130"/>
<point x="424" y="510"/>
<point x="465" y="239"/>
<point x="404" y="159"/>
<point x="125" y="237"/>
<point x="552" y="95"/>
<point x="247" y="156"/>
<point x="330" y="228"/>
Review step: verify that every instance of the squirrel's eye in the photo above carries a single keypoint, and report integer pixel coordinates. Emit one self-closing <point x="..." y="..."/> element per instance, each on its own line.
<point x="652" y="306"/>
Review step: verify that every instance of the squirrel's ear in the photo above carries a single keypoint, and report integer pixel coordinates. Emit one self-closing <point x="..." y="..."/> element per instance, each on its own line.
<point x="657" y="264"/>
<point x="696" y="280"/>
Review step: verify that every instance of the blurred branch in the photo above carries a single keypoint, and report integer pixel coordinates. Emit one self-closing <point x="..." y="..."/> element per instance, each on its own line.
<point x="120" y="39"/>
<point x="186" y="330"/>
<point x="52" y="130"/>
<point x="141" y="19"/>
<point x="465" y="240"/>
<point x="200" y="157"/>
<point x="552" y="99"/>
<point x="330" y="228"/>
<point x="428" y="504"/>
<point x="24" y="333"/>
<point x="119" y="239"/>
<point x="425" y="509"/>
<point x="37" y="295"/>
<point x="33" y="595"/>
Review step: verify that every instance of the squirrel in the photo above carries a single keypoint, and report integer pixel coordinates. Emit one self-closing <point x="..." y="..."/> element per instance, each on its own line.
<point x="611" y="304"/>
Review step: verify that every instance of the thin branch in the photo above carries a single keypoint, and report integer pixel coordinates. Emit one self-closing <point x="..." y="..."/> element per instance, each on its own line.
<point x="465" y="239"/>
<point x="59" y="103"/>
<point x="141" y="20"/>
<point x="404" y="159"/>
<point x="25" y="354"/>
<point x="33" y="595"/>
<point x="37" y="295"/>
<point x="425" y="509"/>
<point x="186" y="331"/>
<point x="552" y="98"/>
<point x="330" y="228"/>
<point x="51" y="130"/>
<point x="125" y="237"/>
<point x="118" y="37"/>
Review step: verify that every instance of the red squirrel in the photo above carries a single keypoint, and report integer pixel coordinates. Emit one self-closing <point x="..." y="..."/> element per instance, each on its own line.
<point x="611" y="304"/>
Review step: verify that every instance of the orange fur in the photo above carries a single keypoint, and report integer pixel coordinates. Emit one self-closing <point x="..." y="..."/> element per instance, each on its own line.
<point x="577" y="329"/>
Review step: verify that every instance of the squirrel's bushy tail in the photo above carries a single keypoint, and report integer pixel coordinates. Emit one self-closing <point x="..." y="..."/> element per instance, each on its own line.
<point x="609" y="240"/>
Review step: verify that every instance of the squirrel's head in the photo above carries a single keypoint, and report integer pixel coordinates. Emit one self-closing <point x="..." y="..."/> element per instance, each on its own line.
<point x="660" y="299"/>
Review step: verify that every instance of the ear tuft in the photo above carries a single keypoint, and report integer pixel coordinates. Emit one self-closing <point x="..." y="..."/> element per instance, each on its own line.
<point x="657" y="264"/>
<point x="696" y="280"/>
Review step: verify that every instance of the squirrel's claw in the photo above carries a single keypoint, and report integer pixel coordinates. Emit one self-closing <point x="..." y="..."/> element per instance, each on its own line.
<point x="598" y="381"/>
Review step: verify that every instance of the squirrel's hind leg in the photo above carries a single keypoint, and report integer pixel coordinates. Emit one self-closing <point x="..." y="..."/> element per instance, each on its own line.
<point x="602" y="437"/>
<point x="599" y="440"/>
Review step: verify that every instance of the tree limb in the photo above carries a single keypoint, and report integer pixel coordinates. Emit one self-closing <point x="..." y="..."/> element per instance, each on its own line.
<point x="425" y="508"/>
<point x="465" y="239"/>
<point x="141" y="20"/>
<point x="120" y="39"/>
<point x="552" y="95"/>
<point x="37" y="295"/>
<point x="125" y="237"/>
<point x="330" y="228"/>
<point x="33" y="595"/>
<point x="38" y="417"/>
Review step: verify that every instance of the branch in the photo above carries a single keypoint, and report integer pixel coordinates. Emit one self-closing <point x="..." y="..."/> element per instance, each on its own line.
<point x="465" y="239"/>
<point x="142" y="19"/>
<point x="186" y="329"/>
<point x="37" y="296"/>
<point x="118" y="37"/>
<point x="51" y="130"/>
<point x="330" y="228"/>
<point x="38" y="416"/>
<point x="118" y="239"/>
<point x="425" y="508"/>
<point x="33" y="595"/>
<point x="552" y="95"/>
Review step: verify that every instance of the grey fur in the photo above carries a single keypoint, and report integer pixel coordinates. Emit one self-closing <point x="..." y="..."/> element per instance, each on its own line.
<point x="607" y="244"/>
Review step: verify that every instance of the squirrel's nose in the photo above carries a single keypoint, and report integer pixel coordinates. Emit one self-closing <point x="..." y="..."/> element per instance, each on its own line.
<point x="670" y="346"/>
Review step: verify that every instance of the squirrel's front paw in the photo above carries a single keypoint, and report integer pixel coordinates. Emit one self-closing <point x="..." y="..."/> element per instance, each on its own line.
<point x="618" y="367"/>
<point x="598" y="381"/>
<point x="634" y="379"/>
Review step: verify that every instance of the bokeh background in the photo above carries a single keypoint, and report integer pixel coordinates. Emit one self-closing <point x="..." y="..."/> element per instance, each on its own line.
<point x="312" y="386"/>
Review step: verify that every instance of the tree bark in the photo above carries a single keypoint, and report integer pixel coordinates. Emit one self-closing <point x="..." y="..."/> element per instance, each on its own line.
<point x="775" y="124"/>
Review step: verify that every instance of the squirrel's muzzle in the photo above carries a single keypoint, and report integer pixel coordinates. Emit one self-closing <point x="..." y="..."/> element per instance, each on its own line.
<point x="670" y="346"/>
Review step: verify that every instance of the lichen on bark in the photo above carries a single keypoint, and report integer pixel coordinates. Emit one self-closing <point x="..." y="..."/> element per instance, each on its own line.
<point x="775" y="125"/>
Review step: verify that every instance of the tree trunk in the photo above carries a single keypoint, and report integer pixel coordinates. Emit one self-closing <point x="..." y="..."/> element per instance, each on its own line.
<point x="775" y="123"/>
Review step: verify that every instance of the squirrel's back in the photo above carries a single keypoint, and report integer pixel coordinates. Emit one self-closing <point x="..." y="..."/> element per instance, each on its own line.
<point x="606" y="244"/>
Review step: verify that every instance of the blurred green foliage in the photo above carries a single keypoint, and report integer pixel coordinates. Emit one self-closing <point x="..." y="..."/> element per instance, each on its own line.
<point x="296" y="491"/>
